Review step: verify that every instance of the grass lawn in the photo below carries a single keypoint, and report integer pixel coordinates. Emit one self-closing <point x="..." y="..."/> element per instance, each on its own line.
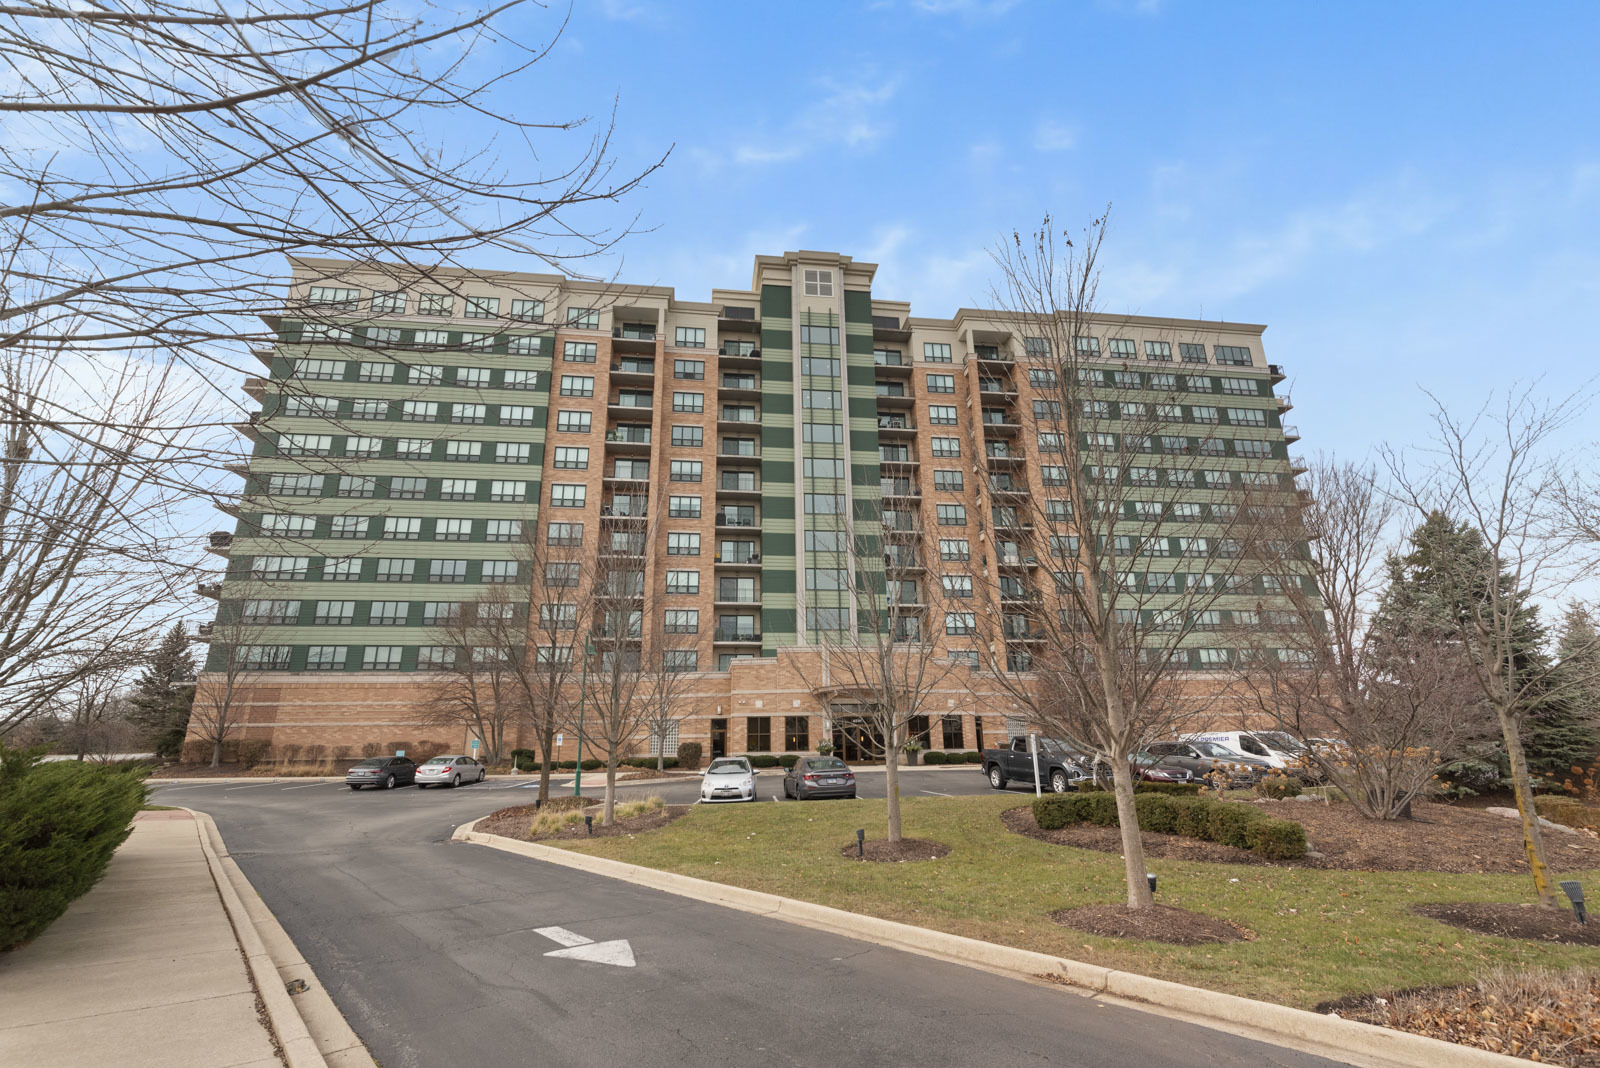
<point x="1319" y="934"/>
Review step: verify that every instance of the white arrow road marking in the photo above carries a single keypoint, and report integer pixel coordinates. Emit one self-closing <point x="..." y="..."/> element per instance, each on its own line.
<point x="935" y="793"/>
<point x="617" y="952"/>
<point x="562" y="935"/>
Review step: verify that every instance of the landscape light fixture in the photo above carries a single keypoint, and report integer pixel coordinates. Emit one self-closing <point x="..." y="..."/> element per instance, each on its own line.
<point x="861" y="844"/>
<point x="588" y="823"/>
<point x="1151" y="876"/>
<point x="1574" y="892"/>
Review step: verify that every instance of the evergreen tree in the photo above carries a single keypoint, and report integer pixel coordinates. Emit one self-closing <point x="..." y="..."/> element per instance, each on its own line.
<point x="160" y="699"/>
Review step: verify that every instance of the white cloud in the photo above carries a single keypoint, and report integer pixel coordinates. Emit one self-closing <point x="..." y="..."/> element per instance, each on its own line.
<point x="1053" y="135"/>
<point x="963" y="7"/>
<point x="626" y="10"/>
<point x="847" y="113"/>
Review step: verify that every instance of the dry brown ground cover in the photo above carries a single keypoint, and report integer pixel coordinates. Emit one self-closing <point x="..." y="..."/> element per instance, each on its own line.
<point x="885" y="851"/>
<point x="1158" y="923"/>
<point x="1440" y="838"/>
<point x="1515" y="920"/>
<point x="1541" y="1014"/>
<point x="514" y="822"/>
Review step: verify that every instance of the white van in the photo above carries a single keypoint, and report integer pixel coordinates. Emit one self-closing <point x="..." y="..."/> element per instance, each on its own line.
<point x="1249" y="744"/>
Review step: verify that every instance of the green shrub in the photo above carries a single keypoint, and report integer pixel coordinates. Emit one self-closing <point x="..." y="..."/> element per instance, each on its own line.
<point x="933" y="756"/>
<point x="1225" y="822"/>
<point x="689" y="755"/>
<point x="1278" y="839"/>
<point x="789" y="760"/>
<point x="59" y="825"/>
<point x="972" y="757"/>
<point x="592" y="764"/>
<point x="763" y="760"/>
<point x="1180" y="789"/>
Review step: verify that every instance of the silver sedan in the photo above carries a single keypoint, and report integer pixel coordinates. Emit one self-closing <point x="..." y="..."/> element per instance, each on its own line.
<point x="729" y="779"/>
<point x="449" y="771"/>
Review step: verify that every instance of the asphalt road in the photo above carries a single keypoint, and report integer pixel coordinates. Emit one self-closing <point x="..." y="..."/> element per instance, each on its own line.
<point x="432" y="950"/>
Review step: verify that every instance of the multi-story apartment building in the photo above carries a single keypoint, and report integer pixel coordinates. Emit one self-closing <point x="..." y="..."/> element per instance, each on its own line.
<point x="416" y="432"/>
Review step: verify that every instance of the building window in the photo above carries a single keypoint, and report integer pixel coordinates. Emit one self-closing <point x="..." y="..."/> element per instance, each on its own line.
<point x="577" y="386"/>
<point x="957" y="585"/>
<point x="1088" y="347"/>
<point x="573" y="422"/>
<point x="823" y="467"/>
<point x="1233" y="355"/>
<point x="936" y="352"/>
<point x="357" y="486"/>
<point x="683" y="507"/>
<point x="402" y="528"/>
<point x="396" y="570"/>
<point x="341" y="571"/>
<point x="579" y="351"/>
<point x="947" y="480"/>
<point x="683" y="582"/>
<point x="680" y="660"/>
<point x="683" y="544"/>
<point x="819" y="366"/>
<point x="531" y="311"/>
<point x="1123" y="348"/>
<point x="568" y="495"/>
<point x="434" y="303"/>
<point x="951" y="734"/>
<point x="1192" y="353"/>
<point x="514" y="452"/>
<point x="827" y="619"/>
<point x="525" y="345"/>
<point x="473" y="414"/>
<point x="334" y="613"/>
<point x="1158" y="350"/>
<point x="326" y="657"/>
<point x="685" y="471"/>
<point x="823" y="504"/>
<point x="583" y="319"/>
<point x="824" y="399"/>
<point x="521" y="380"/>
<point x="688" y="402"/>
<point x="824" y="433"/>
<point x="693" y="370"/>
<point x="1247" y="416"/>
<point x="946" y="447"/>
<point x="1042" y="378"/>
<point x="334" y="297"/>
<point x="462" y="451"/>
<point x="408" y="489"/>
<point x="960" y="623"/>
<point x="692" y="437"/>
<point x="818" y="283"/>
<point x="758" y="734"/>
<point x="452" y="530"/>
<point x="941" y="383"/>
<point x="954" y="549"/>
<point x="819" y="335"/>
<point x="499" y="572"/>
<point x="682" y="621"/>
<point x="952" y="515"/>
<point x="691" y="337"/>
<point x="564" y="534"/>
<point x="381" y="658"/>
<point x="1240" y="387"/>
<point x="480" y="307"/>
<point x="572" y="458"/>
<point x="796" y="734"/>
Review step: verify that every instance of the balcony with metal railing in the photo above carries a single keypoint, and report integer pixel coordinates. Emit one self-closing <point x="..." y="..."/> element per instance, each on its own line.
<point x="633" y="337"/>
<point x="633" y="372"/>
<point x="628" y="437"/>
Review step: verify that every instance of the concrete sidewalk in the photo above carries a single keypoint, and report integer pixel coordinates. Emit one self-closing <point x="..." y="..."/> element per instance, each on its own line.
<point x="145" y="969"/>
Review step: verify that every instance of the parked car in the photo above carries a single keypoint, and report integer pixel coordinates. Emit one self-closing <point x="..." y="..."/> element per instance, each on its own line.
<point x="450" y="770"/>
<point x="729" y="779"/>
<point x="1200" y="759"/>
<point x="1152" y="767"/>
<point x="819" y="776"/>
<point x="1247" y="743"/>
<point x="382" y="772"/>
<point x="1060" y="765"/>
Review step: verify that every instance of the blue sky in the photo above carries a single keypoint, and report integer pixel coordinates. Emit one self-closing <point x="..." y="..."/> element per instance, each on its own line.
<point x="1407" y="194"/>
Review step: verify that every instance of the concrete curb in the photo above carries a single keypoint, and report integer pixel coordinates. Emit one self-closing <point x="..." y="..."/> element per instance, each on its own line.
<point x="1328" y="1035"/>
<point x="309" y="1026"/>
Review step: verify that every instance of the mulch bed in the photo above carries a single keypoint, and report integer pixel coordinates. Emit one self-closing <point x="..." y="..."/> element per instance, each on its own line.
<point x="1158" y="923"/>
<point x="1554" y="1019"/>
<point x="897" y="852"/>
<point x="1533" y="923"/>
<point x="1441" y="838"/>
<point x="513" y="822"/>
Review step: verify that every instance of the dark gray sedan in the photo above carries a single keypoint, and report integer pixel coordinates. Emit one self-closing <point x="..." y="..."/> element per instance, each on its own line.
<point x="819" y="776"/>
<point x="382" y="772"/>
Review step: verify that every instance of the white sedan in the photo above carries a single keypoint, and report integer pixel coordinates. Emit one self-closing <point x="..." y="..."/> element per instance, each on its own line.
<point x="449" y="771"/>
<point x="729" y="779"/>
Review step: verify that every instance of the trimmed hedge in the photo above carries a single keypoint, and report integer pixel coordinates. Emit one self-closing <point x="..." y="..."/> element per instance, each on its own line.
<point x="933" y="756"/>
<point x="789" y="760"/>
<point x="762" y="760"/>
<point x="972" y="756"/>
<point x="59" y="825"/>
<point x="689" y="755"/>
<point x="1224" y="822"/>
<point x="1179" y="789"/>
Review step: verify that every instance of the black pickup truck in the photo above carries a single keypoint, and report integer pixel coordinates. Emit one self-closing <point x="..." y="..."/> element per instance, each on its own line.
<point x="1060" y="766"/>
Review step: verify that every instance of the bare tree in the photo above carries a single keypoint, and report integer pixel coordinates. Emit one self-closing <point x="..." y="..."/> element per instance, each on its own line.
<point x="87" y="502"/>
<point x="875" y="629"/>
<point x="1499" y="472"/>
<point x="545" y="673"/>
<point x="1380" y="698"/>
<point x="238" y="654"/>
<point x="1139" y="537"/>
<point x="93" y="713"/>
<point x="165" y="160"/>
<point x="479" y="668"/>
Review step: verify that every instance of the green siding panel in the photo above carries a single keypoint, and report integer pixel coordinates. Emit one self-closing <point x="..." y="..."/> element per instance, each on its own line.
<point x="857" y="306"/>
<point x="777" y="300"/>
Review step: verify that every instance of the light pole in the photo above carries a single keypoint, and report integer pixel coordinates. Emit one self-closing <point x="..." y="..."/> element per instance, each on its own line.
<point x="583" y="693"/>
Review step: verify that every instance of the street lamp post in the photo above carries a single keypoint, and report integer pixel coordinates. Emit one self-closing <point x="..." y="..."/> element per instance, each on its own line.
<point x="583" y="693"/>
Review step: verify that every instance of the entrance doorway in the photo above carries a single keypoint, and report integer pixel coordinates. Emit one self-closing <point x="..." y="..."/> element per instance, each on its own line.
<point x="857" y="740"/>
<point x="719" y="738"/>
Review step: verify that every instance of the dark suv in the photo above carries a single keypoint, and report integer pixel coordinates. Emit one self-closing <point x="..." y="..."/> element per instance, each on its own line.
<point x="382" y="772"/>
